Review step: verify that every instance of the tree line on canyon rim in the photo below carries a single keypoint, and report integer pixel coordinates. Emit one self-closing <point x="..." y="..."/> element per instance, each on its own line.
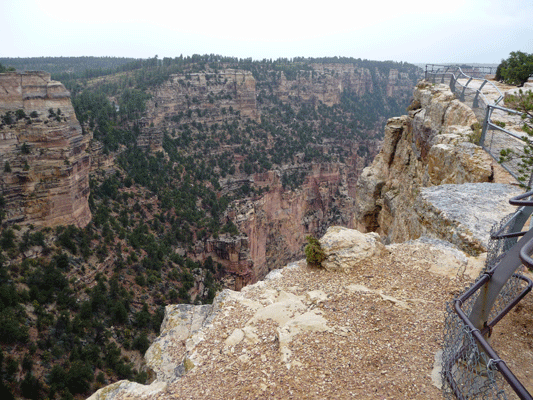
<point x="67" y="330"/>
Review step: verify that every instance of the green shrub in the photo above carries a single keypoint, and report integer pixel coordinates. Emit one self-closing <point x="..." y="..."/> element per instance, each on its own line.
<point x="314" y="254"/>
<point x="516" y="69"/>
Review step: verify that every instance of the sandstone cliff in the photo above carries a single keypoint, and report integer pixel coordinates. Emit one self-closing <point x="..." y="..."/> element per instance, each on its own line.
<point x="45" y="166"/>
<point x="418" y="177"/>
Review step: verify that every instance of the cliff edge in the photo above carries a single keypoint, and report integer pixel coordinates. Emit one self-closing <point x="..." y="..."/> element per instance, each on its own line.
<point x="430" y="179"/>
<point x="370" y="331"/>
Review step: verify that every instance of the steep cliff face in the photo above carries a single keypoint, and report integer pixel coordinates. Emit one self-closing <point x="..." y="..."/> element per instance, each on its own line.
<point x="278" y="222"/>
<point x="45" y="178"/>
<point x="208" y="95"/>
<point x="326" y="83"/>
<point x="429" y="147"/>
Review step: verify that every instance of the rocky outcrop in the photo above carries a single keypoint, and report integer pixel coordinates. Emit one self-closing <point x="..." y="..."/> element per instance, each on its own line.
<point x="151" y="139"/>
<point x="460" y="214"/>
<point x="346" y="248"/>
<point x="234" y="255"/>
<point x="429" y="147"/>
<point x="43" y="153"/>
<point x="314" y="333"/>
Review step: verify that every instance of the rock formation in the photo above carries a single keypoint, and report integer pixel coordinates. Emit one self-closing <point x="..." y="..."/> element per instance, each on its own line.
<point x="368" y="332"/>
<point x="43" y="153"/>
<point x="233" y="253"/>
<point x="277" y="222"/>
<point x="233" y="90"/>
<point x="346" y="248"/>
<point x="366" y="325"/>
<point x="326" y="82"/>
<point x="430" y="147"/>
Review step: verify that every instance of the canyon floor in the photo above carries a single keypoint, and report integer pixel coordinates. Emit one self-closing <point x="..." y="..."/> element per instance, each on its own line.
<point x="370" y="333"/>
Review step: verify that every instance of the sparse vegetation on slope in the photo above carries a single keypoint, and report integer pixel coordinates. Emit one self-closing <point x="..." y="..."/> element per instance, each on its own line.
<point x="84" y="304"/>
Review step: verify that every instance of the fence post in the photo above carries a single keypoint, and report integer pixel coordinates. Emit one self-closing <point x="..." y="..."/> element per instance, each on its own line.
<point x="485" y="126"/>
<point x="476" y="99"/>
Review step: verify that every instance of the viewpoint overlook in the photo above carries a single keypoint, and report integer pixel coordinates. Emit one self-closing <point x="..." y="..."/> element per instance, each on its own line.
<point x="154" y="218"/>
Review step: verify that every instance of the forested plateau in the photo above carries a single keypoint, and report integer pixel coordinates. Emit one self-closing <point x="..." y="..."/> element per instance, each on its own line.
<point x="202" y="173"/>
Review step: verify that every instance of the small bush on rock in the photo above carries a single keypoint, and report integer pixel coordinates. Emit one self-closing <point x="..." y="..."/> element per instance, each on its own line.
<point x="314" y="254"/>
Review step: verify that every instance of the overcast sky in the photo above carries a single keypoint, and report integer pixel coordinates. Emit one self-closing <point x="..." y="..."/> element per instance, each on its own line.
<point x="482" y="31"/>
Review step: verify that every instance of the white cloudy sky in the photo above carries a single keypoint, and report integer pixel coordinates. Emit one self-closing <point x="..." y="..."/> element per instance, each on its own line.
<point x="483" y="31"/>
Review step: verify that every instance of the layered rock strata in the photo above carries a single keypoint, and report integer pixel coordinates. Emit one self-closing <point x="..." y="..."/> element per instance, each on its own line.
<point x="326" y="83"/>
<point x="431" y="146"/>
<point x="277" y="222"/>
<point x="209" y="96"/>
<point x="234" y="255"/>
<point x="43" y="153"/>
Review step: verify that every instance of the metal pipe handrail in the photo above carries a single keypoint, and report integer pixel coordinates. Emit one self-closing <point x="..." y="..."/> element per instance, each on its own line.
<point x="457" y="73"/>
<point x="479" y="301"/>
<point x="470" y="78"/>
<point x="519" y="199"/>
<point x="525" y="254"/>
<point x="511" y="379"/>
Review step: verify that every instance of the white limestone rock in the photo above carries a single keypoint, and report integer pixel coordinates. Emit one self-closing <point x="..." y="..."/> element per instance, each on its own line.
<point x="346" y="248"/>
<point x="462" y="214"/>
<point x="133" y="390"/>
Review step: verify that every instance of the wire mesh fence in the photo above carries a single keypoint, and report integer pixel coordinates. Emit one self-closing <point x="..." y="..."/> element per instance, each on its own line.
<point x="497" y="248"/>
<point x="468" y="371"/>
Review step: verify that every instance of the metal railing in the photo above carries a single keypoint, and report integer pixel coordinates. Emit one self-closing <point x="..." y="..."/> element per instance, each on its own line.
<point x="471" y="368"/>
<point x="472" y="88"/>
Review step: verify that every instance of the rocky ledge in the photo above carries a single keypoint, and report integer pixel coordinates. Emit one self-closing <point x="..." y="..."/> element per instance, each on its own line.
<point x="429" y="168"/>
<point x="370" y="331"/>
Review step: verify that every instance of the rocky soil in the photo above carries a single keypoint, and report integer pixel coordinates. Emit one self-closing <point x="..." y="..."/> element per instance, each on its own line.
<point x="369" y="332"/>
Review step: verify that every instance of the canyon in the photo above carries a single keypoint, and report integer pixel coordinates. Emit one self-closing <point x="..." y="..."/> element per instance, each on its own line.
<point x="369" y="323"/>
<point x="275" y="222"/>
<point x="207" y="179"/>
<point x="204" y="182"/>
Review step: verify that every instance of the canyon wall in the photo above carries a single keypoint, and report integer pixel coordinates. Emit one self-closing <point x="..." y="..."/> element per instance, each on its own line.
<point x="209" y="95"/>
<point x="278" y="221"/>
<point x="327" y="81"/>
<point x="43" y="153"/>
